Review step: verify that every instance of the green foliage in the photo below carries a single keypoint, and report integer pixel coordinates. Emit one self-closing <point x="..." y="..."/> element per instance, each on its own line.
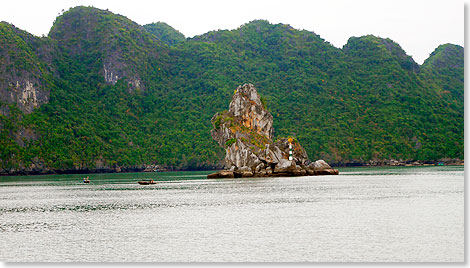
<point x="229" y="119"/>
<point x="366" y="101"/>
<point x="165" y="33"/>
<point x="263" y="102"/>
<point x="229" y="142"/>
<point x="218" y="121"/>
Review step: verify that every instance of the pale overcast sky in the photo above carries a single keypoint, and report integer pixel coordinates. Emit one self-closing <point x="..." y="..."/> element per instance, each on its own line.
<point x="419" y="26"/>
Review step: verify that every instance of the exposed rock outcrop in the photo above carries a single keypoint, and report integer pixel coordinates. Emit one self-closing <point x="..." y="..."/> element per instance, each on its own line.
<point x="27" y="96"/>
<point x="25" y="70"/>
<point x="246" y="132"/>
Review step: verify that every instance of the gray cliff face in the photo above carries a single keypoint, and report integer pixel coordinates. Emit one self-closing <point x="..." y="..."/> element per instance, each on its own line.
<point x="27" y="94"/>
<point x="246" y="132"/>
<point x="247" y="107"/>
<point x="27" y="90"/>
<point x="115" y="70"/>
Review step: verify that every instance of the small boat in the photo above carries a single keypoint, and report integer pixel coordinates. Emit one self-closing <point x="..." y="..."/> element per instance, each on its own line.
<point x="146" y="182"/>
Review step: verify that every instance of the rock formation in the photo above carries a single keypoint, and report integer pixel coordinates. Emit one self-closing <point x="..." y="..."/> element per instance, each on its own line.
<point x="246" y="132"/>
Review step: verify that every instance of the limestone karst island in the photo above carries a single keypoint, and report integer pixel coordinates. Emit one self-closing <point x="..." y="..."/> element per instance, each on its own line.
<point x="246" y="132"/>
<point x="102" y="94"/>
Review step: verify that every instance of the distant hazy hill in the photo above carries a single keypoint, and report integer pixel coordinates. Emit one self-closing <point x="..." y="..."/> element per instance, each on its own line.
<point x="102" y="92"/>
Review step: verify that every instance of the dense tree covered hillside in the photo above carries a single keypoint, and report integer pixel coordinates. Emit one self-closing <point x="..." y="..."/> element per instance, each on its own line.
<point x="165" y="33"/>
<point x="102" y="92"/>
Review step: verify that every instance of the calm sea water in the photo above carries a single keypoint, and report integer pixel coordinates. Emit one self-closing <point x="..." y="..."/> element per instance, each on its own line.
<point x="365" y="214"/>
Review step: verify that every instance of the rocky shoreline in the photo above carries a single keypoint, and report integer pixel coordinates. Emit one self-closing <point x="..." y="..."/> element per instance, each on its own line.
<point x="46" y="171"/>
<point x="236" y="174"/>
<point x="315" y="169"/>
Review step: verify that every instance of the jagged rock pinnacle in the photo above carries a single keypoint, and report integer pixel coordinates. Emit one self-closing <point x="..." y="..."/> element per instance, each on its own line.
<point x="246" y="132"/>
<point x="247" y="107"/>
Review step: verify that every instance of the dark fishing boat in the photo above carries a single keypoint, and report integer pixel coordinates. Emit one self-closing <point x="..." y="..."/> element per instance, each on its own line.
<point x="146" y="182"/>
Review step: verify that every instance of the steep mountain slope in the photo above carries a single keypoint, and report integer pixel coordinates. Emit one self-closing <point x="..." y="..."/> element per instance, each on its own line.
<point x="123" y="96"/>
<point x="106" y="43"/>
<point x="445" y="66"/>
<point x="102" y="80"/>
<point x="403" y="110"/>
<point x="25" y="84"/>
<point x="25" y="68"/>
<point x="112" y="70"/>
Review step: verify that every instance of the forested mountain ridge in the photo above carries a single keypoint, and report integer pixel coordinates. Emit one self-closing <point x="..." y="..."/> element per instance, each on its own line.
<point x="445" y="67"/>
<point x="124" y="96"/>
<point x="165" y="33"/>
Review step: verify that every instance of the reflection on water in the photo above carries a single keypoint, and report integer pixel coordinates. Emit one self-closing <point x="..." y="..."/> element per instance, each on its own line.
<point x="364" y="214"/>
